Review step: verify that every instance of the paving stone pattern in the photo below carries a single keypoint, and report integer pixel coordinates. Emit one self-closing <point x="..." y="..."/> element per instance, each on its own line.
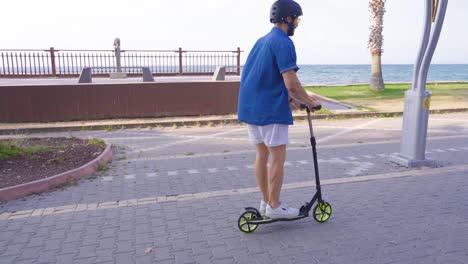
<point x="164" y="205"/>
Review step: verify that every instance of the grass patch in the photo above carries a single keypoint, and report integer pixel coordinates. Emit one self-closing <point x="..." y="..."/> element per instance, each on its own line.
<point x="392" y="91"/>
<point x="323" y="111"/>
<point x="103" y="168"/>
<point x="109" y="128"/>
<point x="189" y="154"/>
<point x="13" y="148"/>
<point x="350" y="92"/>
<point x="367" y="108"/>
<point x="30" y="151"/>
<point x="97" y="142"/>
<point x="8" y="150"/>
<point x="385" y="115"/>
<point x="364" y="98"/>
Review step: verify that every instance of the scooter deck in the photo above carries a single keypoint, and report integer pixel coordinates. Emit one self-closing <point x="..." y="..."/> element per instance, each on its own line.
<point x="267" y="220"/>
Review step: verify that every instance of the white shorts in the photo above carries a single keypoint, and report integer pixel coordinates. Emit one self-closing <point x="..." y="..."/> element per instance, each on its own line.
<point x="272" y="135"/>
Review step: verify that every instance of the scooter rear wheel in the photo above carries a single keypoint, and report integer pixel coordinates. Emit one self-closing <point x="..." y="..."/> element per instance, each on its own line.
<point x="322" y="212"/>
<point x="243" y="224"/>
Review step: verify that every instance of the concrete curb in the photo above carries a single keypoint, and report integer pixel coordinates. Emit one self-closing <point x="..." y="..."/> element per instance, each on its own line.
<point x="208" y="121"/>
<point x="25" y="189"/>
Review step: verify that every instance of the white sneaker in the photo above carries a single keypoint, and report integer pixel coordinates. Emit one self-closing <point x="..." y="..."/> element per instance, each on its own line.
<point x="262" y="208"/>
<point x="282" y="211"/>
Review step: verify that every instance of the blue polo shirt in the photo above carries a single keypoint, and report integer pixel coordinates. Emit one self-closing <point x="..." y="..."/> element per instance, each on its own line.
<point x="263" y="97"/>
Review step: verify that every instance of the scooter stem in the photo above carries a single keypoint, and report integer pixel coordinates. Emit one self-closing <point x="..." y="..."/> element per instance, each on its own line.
<point x="313" y="143"/>
<point x="310" y="123"/>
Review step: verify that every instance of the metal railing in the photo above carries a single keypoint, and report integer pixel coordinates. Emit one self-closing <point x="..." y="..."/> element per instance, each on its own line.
<point x="26" y="63"/>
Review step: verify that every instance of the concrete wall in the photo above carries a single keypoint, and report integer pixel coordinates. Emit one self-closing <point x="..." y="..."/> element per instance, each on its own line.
<point x="46" y="103"/>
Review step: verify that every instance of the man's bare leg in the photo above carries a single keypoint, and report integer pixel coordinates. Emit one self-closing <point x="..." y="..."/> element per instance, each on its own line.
<point x="276" y="174"/>
<point x="261" y="170"/>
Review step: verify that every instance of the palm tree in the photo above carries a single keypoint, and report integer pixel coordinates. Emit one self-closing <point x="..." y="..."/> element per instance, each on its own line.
<point x="377" y="10"/>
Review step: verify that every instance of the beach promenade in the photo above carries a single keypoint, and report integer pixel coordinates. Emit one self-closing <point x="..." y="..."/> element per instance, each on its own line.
<point x="174" y="196"/>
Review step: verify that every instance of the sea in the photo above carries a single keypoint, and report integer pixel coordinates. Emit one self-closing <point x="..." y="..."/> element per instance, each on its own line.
<point x="392" y="73"/>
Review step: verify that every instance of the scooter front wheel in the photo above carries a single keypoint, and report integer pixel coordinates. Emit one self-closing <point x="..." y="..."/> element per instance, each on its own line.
<point x="322" y="212"/>
<point x="245" y="217"/>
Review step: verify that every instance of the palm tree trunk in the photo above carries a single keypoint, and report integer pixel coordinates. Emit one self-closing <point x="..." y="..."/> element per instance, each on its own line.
<point x="375" y="43"/>
<point x="376" y="81"/>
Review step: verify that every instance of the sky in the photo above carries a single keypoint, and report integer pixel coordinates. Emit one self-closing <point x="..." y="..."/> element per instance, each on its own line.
<point x="331" y="31"/>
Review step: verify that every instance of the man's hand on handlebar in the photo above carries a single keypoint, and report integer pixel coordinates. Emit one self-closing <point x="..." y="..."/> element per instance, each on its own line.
<point x="295" y="105"/>
<point x="313" y="108"/>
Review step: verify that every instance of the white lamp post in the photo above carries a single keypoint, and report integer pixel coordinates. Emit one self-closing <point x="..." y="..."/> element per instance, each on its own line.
<point x="417" y="100"/>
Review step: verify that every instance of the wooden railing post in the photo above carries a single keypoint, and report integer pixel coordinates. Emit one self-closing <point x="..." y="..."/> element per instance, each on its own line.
<point x="52" y="61"/>
<point x="180" y="61"/>
<point x="238" y="61"/>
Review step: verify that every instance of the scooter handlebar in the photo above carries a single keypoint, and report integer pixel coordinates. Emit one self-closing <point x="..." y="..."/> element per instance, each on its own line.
<point x="305" y="106"/>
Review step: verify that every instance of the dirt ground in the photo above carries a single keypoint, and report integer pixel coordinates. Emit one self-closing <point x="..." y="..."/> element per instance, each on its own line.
<point x="62" y="154"/>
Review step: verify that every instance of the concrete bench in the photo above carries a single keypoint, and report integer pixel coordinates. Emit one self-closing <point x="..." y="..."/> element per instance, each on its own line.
<point x="86" y="75"/>
<point x="219" y="74"/>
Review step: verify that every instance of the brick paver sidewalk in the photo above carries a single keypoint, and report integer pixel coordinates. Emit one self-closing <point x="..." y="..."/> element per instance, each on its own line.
<point x="174" y="196"/>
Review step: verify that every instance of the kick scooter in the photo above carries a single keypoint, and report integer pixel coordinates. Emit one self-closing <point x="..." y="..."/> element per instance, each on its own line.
<point x="251" y="218"/>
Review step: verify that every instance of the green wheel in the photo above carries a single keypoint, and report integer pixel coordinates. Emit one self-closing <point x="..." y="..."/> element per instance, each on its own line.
<point x="322" y="212"/>
<point x="242" y="223"/>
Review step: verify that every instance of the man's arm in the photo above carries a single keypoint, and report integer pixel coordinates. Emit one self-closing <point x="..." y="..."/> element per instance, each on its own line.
<point x="296" y="91"/>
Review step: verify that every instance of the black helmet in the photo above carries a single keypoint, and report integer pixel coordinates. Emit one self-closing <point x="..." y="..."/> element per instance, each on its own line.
<point x="284" y="8"/>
